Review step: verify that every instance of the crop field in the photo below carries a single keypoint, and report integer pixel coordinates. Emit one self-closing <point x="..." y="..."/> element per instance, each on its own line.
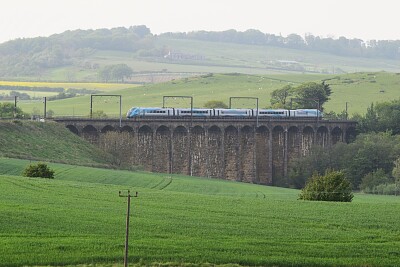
<point x="78" y="218"/>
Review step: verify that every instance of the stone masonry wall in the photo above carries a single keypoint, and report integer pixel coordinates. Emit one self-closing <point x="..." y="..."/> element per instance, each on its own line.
<point x="239" y="152"/>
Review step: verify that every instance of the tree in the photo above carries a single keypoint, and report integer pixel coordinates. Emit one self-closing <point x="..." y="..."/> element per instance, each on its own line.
<point x="115" y="72"/>
<point x="355" y="159"/>
<point x="333" y="186"/>
<point x="38" y="170"/>
<point x="215" y="104"/>
<point x="279" y="97"/>
<point x="121" y="71"/>
<point x="396" y="174"/>
<point x="7" y="110"/>
<point x="381" y="117"/>
<point x="373" y="179"/>
<point x="312" y="95"/>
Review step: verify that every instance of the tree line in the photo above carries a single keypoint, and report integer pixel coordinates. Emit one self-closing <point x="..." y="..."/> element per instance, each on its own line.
<point x="32" y="55"/>
<point x="371" y="162"/>
<point x="342" y="46"/>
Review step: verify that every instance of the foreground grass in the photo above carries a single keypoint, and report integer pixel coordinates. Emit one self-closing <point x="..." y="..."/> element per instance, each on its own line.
<point x="78" y="218"/>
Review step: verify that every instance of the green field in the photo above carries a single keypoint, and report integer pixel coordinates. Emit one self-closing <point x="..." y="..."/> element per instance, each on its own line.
<point x="220" y="57"/>
<point x="47" y="141"/>
<point x="78" y="218"/>
<point x="359" y="90"/>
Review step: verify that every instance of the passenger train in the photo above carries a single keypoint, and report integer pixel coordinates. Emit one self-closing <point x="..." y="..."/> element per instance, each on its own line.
<point x="221" y="112"/>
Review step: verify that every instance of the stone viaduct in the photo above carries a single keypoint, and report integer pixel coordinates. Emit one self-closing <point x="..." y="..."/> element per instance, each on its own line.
<point x="233" y="149"/>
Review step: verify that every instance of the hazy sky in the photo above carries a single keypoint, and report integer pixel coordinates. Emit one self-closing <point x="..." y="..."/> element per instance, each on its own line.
<point x="364" y="19"/>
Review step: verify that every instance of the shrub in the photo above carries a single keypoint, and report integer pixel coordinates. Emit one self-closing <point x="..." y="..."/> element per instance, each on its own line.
<point x="38" y="170"/>
<point x="333" y="186"/>
<point x="215" y="104"/>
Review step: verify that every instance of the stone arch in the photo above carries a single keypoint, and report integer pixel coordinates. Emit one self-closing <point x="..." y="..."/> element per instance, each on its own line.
<point x="215" y="152"/>
<point x="90" y="133"/>
<point x="278" y="153"/>
<point x="127" y="129"/>
<point x="231" y="152"/>
<point x="307" y="140"/>
<point x="107" y="128"/>
<point x="180" y="150"/>
<point x="73" y="129"/>
<point x="145" y="149"/>
<point x="263" y="149"/>
<point x="337" y="135"/>
<point x="322" y="138"/>
<point x="351" y="134"/>
<point x="198" y="152"/>
<point x="293" y="143"/>
<point x="246" y="154"/>
<point x="162" y="148"/>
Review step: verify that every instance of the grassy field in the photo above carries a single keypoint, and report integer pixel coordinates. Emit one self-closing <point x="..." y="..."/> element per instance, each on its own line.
<point x="78" y="218"/>
<point x="359" y="90"/>
<point x="47" y="141"/>
<point x="219" y="57"/>
<point x="203" y="89"/>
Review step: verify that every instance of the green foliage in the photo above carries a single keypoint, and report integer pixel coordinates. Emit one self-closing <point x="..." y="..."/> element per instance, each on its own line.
<point x="115" y="72"/>
<point x="280" y="97"/>
<point x="384" y="189"/>
<point x="306" y="95"/>
<point x="215" y="104"/>
<point x="40" y="170"/>
<point x="99" y="114"/>
<point x="374" y="179"/>
<point x="7" y="110"/>
<point x="396" y="170"/>
<point x="368" y="153"/>
<point x="381" y="117"/>
<point x="175" y="217"/>
<point x="333" y="186"/>
<point x="62" y="95"/>
<point x="311" y="95"/>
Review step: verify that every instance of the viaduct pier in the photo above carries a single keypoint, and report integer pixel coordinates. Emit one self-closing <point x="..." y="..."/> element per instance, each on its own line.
<point x="248" y="150"/>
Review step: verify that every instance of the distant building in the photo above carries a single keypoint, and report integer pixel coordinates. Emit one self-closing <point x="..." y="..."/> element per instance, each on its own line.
<point x="183" y="56"/>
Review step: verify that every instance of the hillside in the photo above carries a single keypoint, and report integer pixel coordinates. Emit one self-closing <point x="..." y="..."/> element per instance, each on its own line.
<point x="359" y="90"/>
<point x="80" y="55"/>
<point x="78" y="218"/>
<point x="48" y="142"/>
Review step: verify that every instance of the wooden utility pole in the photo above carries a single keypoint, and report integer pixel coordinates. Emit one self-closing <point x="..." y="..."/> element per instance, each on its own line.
<point x="128" y="195"/>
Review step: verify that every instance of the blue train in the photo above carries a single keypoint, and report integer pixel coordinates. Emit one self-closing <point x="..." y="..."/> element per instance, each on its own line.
<point x="220" y="112"/>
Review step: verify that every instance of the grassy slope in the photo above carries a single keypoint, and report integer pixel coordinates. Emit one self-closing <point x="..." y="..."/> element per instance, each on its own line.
<point x="47" y="141"/>
<point x="222" y="58"/>
<point x="79" y="218"/>
<point x="359" y="90"/>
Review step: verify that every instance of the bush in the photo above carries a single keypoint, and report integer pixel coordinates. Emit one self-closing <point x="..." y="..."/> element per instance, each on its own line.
<point x="39" y="170"/>
<point x="215" y="104"/>
<point x="333" y="186"/>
